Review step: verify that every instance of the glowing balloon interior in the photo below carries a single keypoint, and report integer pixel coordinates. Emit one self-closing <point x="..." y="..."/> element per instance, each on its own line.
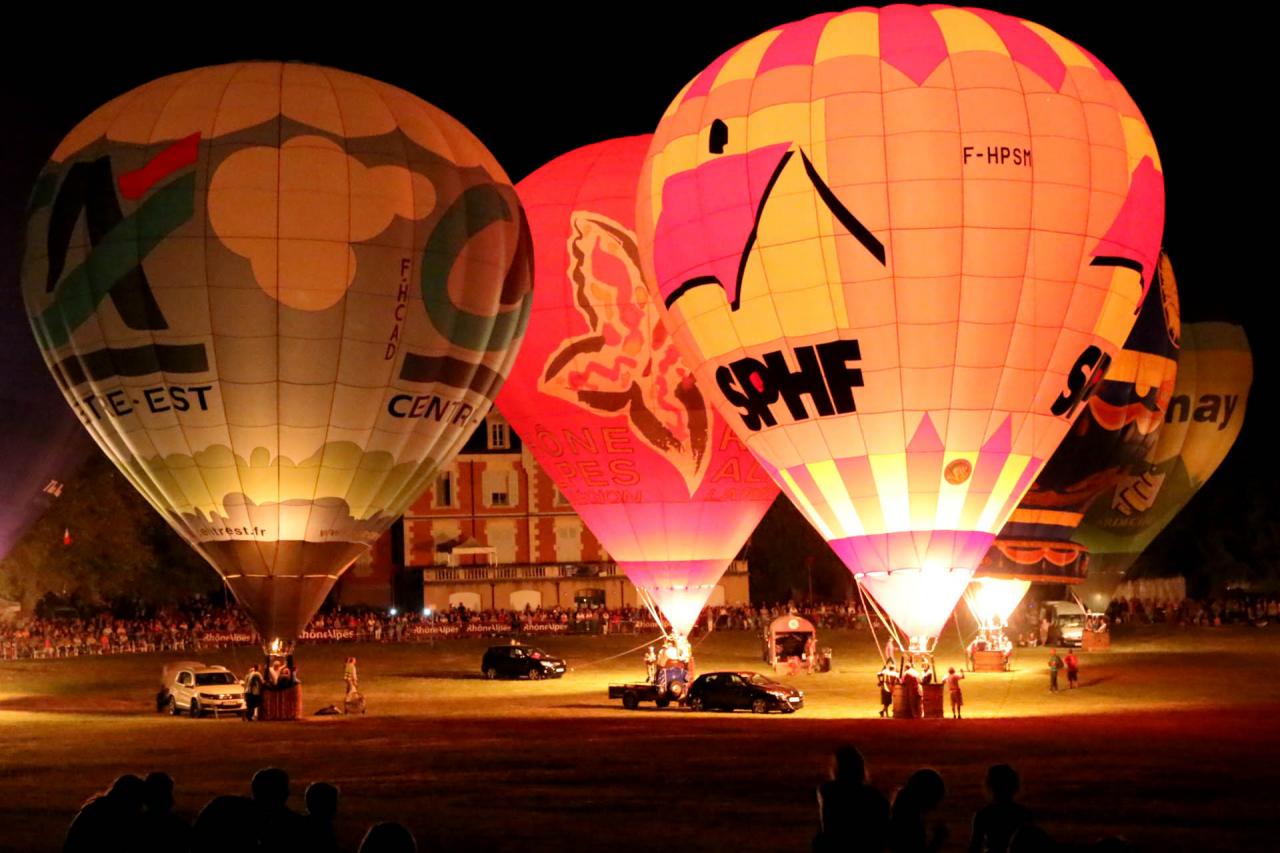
<point x="1201" y="423"/>
<point x="903" y="244"/>
<point x="602" y="399"/>
<point x="993" y="600"/>
<point x="279" y="296"/>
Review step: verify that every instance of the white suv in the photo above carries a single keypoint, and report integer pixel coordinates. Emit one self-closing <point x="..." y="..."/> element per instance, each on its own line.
<point x="199" y="689"/>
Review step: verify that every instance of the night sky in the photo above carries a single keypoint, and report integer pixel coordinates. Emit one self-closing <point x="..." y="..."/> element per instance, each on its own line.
<point x="537" y="82"/>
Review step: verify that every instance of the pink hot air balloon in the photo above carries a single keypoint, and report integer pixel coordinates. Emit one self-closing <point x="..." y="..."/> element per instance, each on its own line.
<point x="602" y="399"/>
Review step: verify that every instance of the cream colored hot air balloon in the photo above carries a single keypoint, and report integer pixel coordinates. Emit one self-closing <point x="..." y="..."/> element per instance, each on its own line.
<point x="279" y="296"/>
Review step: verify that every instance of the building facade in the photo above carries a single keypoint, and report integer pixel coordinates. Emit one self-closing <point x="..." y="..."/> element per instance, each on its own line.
<point x="494" y="532"/>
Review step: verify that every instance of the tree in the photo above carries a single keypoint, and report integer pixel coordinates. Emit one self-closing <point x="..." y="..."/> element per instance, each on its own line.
<point x="120" y="547"/>
<point x="781" y="552"/>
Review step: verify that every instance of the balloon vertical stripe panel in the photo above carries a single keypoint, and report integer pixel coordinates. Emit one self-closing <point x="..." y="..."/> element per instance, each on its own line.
<point x="280" y="296"/>
<point x="605" y="403"/>
<point x="903" y="244"/>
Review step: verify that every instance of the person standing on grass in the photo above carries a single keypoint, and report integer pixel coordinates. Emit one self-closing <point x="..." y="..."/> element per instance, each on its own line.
<point x="1073" y="669"/>
<point x="1055" y="664"/>
<point x="911" y="690"/>
<point x="349" y="676"/>
<point x="887" y="677"/>
<point x="953" y="690"/>
<point x="252" y="693"/>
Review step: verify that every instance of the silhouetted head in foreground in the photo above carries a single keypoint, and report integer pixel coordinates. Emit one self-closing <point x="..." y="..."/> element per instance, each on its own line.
<point x="127" y="793"/>
<point x="270" y="788"/>
<point x="1002" y="782"/>
<point x="388" y="838"/>
<point x="322" y="800"/>
<point x="922" y="793"/>
<point x="848" y="765"/>
<point x="158" y="792"/>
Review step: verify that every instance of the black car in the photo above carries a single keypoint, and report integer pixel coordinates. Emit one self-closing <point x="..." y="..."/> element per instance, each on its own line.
<point x="519" y="661"/>
<point x="732" y="690"/>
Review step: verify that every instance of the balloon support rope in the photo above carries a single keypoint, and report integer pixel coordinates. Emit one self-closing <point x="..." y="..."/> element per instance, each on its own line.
<point x="869" y="604"/>
<point x="653" y="610"/>
<point x="619" y="654"/>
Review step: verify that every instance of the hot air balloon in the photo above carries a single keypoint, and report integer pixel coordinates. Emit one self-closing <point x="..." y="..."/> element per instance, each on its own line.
<point x="280" y="296"/>
<point x="1116" y="431"/>
<point x="903" y="244"/>
<point x="1201" y="423"/>
<point x="600" y="395"/>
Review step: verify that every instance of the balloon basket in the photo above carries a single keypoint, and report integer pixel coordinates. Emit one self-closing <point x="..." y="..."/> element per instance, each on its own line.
<point x="1095" y="641"/>
<point x="990" y="661"/>
<point x="926" y="705"/>
<point x="282" y="704"/>
<point x="905" y="706"/>
<point x="932" y="701"/>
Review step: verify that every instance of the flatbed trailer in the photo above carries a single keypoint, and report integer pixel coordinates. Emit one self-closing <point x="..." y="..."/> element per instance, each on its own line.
<point x="633" y="694"/>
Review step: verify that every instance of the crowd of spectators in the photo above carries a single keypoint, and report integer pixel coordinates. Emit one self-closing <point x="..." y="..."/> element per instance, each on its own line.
<point x="1252" y="609"/>
<point x="202" y="623"/>
<point x="138" y="815"/>
<point x="68" y="632"/>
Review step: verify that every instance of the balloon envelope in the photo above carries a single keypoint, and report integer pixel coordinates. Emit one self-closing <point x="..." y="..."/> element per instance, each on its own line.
<point x="1202" y="422"/>
<point x="1116" y="431"/>
<point x="601" y="397"/>
<point x="279" y="296"/>
<point x="903" y="244"/>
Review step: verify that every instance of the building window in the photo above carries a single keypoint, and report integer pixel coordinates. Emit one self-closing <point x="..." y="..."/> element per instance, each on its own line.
<point x="444" y="490"/>
<point x="499" y="436"/>
<point x="559" y="500"/>
<point x="501" y="488"/>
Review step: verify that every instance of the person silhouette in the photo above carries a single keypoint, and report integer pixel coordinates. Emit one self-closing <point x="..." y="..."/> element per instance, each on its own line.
<point x="995" y="824"/>
<point x="162" y="830"/>
<point x="388" y="838"/>
<point x="109" y="821"/>
<point x="322" y="807"/>
<point x="222" y="825"/>
<point x="278" y="826"/>
<point x="911" y="806"/>
<point x="852" y="815"/>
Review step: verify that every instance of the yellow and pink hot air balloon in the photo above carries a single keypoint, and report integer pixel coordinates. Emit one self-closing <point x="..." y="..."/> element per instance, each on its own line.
<point x="602" y="398"/>
<point x="903" y="245"/>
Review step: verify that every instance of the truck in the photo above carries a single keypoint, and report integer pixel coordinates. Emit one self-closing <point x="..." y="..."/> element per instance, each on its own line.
<point x="1066" y="622"/>
<point x="669" y="686"/>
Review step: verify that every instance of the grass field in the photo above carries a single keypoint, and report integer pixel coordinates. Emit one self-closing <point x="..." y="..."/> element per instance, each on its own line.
<point x="1173" y="740"/>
